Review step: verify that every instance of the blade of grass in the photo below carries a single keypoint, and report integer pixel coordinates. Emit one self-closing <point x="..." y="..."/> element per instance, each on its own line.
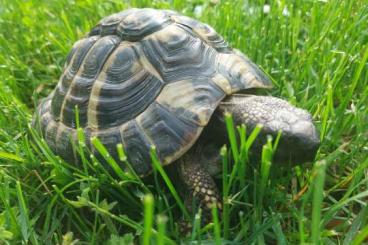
<point x="232" y="137"/>
<point x="320" y="173"/>
<point x="356" y="226"/>
<point x="109" y="159"/>
<point x="225" y="195"/>
<point x="26" y="226"/>
<point x="196" y="231"/>
<point x="157" y="165"/>
<point x="161" y="224"/>
<point x="361" y="237"/>
<point x="148" y="218"/>
<point x="10" y="156"/>
<point x="216" y="225"/>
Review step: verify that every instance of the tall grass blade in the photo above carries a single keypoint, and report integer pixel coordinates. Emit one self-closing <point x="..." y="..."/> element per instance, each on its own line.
<point x="232" y="137"/>
<point x="148" y="202"/>
<point x="161" y="224"/>
<point x="25" y="223"/>
<point x="319" y="180"/>
<point x="157" y="165"/>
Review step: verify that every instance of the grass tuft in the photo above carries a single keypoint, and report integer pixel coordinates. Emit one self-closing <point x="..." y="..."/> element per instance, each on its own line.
<point x="315" y="52"/>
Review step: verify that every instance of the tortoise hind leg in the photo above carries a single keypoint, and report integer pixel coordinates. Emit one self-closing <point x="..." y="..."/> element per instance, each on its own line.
<point x="201" y="187"/>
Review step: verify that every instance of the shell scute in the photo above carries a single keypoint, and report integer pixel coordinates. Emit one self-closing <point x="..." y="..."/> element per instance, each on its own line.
<point x="71" y="68"/>
<point x="50" y="133"/>
<point x="118" y="104"/>
<point x="204" y="31"/>
<point x="44" y="116"/>
<point x="64" y="138"/>
<point x="169" y="134"/>
<point x="137" y="147"/>
<point x="139" y="23"/>
<point x="176" y="55"/>
<point x="241" y="72"/>
<point x="108" y="25"/>
<point x="123" y="90"/>
<point x="193" y="100"/>
<point x="80" y="88"/>
<point x="122" y="64"/>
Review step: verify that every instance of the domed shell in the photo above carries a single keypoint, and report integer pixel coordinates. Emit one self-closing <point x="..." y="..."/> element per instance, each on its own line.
<point x="143" y="78"/>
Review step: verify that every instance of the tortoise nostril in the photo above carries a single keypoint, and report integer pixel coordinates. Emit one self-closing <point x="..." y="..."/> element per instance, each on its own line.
<point x="302" y="127"/>
<point x="307" y="135"/>
<point x="305" y="129"/>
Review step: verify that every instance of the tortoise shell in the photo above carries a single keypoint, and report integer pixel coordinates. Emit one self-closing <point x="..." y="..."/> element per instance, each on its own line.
<point x="144" y="77"/>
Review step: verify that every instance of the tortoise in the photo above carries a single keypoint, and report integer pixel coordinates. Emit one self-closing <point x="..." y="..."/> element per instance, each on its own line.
<point x="146" y="77"/>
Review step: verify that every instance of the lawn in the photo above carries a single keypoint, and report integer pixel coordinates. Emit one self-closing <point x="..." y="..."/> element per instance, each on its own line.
<point x="315" y="52"/>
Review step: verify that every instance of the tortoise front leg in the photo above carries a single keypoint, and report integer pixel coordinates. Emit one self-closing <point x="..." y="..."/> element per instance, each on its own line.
<point x="201" y="187"/>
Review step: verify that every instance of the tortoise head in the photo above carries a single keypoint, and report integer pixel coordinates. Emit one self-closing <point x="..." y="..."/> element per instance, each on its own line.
<point x="299" y="140"/>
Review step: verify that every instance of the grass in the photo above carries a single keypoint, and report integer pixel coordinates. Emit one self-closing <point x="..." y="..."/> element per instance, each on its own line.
<point x="316" y="54"/>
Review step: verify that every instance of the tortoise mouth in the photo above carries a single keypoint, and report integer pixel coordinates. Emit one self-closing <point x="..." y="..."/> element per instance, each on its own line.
<point x="294" y="148"/>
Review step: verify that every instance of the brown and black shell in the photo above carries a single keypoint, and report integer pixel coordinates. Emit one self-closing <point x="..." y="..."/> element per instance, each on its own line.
<point x="143" y="78"/>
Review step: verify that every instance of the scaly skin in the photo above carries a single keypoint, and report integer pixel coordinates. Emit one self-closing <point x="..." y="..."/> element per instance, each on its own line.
<point x="298" y="144"/>
<point x="200" y="184"/>
<point x="299" y="139"/>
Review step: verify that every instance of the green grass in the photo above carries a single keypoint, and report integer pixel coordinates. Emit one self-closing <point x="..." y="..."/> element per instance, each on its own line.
<point x="315" y="52"/>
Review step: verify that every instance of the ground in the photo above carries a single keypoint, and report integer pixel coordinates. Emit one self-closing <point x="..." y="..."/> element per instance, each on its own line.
<point x="316" y="54"/>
